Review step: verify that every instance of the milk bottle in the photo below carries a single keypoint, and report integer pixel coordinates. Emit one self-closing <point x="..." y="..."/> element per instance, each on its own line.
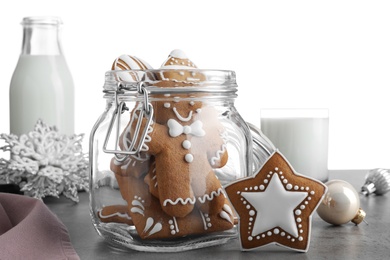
<point x="42" y="85"/>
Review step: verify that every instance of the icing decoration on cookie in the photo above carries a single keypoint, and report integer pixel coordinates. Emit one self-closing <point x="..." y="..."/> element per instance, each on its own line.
<point x="115" y="213"/>
<point x="176" y="129"/>
<point x="127" y="62"/>
<point x="177" y="59"/>
<point x="182" y="201"/>
<point x="178" y="68"/>
<point x="151" y="227"/>
<point x="275" y="205"/>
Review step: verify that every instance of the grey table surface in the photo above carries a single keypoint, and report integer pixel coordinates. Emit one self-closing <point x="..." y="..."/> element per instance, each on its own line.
<point x="348" y="241"/>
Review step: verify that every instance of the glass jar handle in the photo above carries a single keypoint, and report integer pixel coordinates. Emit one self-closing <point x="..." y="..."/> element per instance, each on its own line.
<point x="139" y="137"/>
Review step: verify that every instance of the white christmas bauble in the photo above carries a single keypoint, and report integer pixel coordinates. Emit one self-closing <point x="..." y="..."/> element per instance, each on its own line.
<point x="341" y="203"/>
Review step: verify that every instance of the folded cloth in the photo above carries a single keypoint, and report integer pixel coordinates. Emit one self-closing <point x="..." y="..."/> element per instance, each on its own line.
<point x="29" y="230"/>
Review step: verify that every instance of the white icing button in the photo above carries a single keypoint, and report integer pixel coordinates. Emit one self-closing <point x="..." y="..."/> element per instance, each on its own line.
<point x="186" y="144"/>
<point x="189" y="157"/>
<point x="167" y="105"/>
<point x="186" y="129"/>
<point x="252" y="213"/>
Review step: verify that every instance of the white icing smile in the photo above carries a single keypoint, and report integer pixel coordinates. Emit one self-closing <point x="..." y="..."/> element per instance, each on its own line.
<point x="181" y="118"/>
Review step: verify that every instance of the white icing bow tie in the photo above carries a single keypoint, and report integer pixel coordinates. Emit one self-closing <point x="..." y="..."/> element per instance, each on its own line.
<point x="176" y="129"/>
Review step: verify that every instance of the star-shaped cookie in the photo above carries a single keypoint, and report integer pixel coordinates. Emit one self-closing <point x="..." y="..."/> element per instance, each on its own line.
<point x="275" y="205"/>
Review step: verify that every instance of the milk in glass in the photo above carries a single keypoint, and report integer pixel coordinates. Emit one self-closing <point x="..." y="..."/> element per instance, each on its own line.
<point x="301" y="136"/>
<point x="42" y="85"/>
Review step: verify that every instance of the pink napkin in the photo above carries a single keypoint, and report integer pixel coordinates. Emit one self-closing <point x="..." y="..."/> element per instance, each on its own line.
<point x="29" y="230"/>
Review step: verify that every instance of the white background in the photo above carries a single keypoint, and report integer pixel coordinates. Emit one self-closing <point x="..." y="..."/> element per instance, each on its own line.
<point x="290" y="54"/>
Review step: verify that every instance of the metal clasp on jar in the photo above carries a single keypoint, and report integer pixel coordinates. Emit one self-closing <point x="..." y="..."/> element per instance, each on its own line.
<point x="139" y="135"/>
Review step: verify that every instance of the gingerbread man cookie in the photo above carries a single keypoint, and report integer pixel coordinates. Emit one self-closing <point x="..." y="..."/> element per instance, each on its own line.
<point x="187" y="143"/>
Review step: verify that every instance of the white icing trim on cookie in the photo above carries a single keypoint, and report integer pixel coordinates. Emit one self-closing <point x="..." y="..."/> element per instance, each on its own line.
<point x="117" y="214"/>
<point x="177" y="53"/>
<point x="181" y="200"/>
<point x="210" y="196"/>
<point x="217" y="157"/>
<point x="202" y="199"/>
<point x="177" y="67"/>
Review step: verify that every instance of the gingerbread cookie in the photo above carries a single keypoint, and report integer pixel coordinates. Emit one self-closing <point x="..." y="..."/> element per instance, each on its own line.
<point x="275" y="206"/>
<point x="179" y="70"/>
<point x="152" y="222"/>
<point x="128" y="63"/>
<point x="187" y="143"/>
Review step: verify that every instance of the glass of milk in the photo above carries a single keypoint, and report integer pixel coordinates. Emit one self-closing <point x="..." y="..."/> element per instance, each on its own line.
<point x="301" y="135"/>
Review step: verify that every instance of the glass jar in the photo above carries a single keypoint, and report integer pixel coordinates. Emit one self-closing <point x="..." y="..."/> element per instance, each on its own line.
<point x="161" y="154"/>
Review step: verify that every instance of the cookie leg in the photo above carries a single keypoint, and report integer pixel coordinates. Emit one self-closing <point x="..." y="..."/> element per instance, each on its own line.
<point x="174" y="188"/>
<point x="209" y="193"/>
